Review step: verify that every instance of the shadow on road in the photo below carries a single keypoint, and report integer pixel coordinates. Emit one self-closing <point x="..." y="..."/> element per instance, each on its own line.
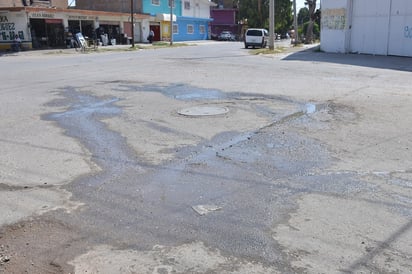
<point x="363" y="60"/>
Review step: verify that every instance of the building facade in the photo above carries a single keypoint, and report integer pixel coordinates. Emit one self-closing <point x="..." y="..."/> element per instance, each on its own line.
<point x="224" y="19"/>
<point x="194" y="22"/>
<point x="49" y="27"/>
<point x="383" y="27"/>
<point x="190" y="18"/>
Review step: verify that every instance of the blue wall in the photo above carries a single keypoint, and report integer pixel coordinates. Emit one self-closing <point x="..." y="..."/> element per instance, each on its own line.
<point x="163" y="7"/>
<point x="183" y="22"/>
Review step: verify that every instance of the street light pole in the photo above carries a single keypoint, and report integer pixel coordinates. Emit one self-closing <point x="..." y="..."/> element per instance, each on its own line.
<point x="171" y="21"/>
<point x="132" y="21"/>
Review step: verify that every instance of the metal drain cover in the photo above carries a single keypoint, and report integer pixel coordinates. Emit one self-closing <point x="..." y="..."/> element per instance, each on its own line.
<point x="203" y="111"/>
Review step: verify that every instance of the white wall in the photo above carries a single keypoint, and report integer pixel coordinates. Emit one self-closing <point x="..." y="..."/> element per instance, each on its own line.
<point x="370" y="27"/>
<point x="379" y="27"/>
<point x="334" y="25"/>
<point x="198" y="8"/>
<point x="13" y="22"/>
<point x="400" y="37"/>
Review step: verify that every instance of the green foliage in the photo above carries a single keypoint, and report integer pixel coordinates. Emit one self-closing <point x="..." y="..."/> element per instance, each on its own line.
<point x="303" y="16"/>
<point x="259" y="18"/>
<point x="316" y="29"/>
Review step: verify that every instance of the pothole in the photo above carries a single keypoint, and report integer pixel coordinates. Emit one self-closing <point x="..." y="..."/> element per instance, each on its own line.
<point x="203" y="111"/>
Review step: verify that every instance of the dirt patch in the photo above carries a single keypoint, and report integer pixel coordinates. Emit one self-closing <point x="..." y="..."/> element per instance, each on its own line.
<point x="187" y="258"/>
<point x="37" y="246"/>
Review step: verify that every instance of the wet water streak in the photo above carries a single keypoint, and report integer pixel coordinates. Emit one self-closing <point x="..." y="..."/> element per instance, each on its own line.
<point x="82" y="121"/>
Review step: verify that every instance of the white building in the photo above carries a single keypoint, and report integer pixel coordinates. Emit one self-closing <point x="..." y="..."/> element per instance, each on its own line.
<point x="382" y="27"/>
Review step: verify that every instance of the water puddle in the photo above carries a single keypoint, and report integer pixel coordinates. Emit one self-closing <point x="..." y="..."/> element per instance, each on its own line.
<point x="83" y="121"/>
<point x="310" y="108"/>
<point x="176" y="91"/>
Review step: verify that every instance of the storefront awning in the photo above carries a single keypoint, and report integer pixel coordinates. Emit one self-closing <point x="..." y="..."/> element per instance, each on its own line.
<point x="165" y="17"/>
<point x="53" y="21"/>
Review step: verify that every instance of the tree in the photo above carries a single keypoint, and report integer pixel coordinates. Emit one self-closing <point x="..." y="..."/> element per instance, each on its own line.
<point x="309" y="32"/>
<point x="257" y="13"/>
<point x="303" y="16"/>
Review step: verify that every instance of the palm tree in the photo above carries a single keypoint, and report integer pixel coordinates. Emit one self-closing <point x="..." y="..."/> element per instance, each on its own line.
<point x="309" y="32"/>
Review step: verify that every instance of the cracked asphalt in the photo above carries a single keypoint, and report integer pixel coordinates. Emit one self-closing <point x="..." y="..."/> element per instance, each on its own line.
<point x="309" y="170"/>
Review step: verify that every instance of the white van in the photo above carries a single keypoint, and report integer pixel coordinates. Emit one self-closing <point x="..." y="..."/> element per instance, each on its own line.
<point x="256" y="38"/>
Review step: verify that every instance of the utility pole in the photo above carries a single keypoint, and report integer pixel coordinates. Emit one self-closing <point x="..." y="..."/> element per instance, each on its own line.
<point x="171" y="21"/>
<point x="271" y="24"/>
<point x="132" y="20"/>
<point x="295" y="22"/>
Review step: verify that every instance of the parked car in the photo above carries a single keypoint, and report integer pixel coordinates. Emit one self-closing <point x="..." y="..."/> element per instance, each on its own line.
<point x="226" y="36"/>
<point x="256" y="38"/>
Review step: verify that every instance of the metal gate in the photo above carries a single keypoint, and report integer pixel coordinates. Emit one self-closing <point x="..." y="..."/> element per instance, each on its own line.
<point x="370" y="26"/>
<point x="400" y="28"/>
<point x="383" y="27"/>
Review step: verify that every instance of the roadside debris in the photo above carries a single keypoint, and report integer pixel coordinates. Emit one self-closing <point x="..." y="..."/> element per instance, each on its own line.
<point x="205" y="209"/>
<point x="3" y="258"/>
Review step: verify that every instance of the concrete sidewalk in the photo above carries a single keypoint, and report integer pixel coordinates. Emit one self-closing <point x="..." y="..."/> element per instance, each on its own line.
<point x="283" y="43"/>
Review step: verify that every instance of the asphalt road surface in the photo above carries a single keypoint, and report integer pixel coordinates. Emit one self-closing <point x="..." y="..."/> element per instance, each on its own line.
<point x="205" y="158"/>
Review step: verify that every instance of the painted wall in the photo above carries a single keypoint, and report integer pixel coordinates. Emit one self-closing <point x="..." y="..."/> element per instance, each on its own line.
<point x="223" y="16"/>
<point x="12" y="24"/>
<point x="223" y="19"/>
<point x="334" y="26"/>
<point x="150" y="6"/>
<point x="400" y="37"/>
<point x="370" y="27"/>
<point x="190" y="28"/>
<point x="196" y="8"/>
<point x="383" y="27"/>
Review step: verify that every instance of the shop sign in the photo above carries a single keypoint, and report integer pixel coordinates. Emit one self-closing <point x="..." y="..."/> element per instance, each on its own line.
<point x="82" y="17"/>
<point x="41" y="15"/>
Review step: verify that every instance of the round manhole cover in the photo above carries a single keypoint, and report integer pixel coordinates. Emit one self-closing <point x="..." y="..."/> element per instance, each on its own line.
<point x="203" y="111"/>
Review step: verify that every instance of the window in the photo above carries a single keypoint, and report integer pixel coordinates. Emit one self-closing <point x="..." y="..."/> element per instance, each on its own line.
<point x="187" y="5"/>
<point x="190" y="29"/>
<point x="175" y="29"/>
<point x="156" y="2"/>
<point x="202" y="29"/>
<point x="173" y="1"/>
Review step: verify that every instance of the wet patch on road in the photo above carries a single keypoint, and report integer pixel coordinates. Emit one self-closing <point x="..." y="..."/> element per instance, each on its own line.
<point x="187" y="92"/>
<point x="253" y="177"/>
<point x="83" y="121"/>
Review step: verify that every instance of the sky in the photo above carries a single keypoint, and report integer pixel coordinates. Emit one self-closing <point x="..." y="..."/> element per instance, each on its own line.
<point x="300" y="4"/>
